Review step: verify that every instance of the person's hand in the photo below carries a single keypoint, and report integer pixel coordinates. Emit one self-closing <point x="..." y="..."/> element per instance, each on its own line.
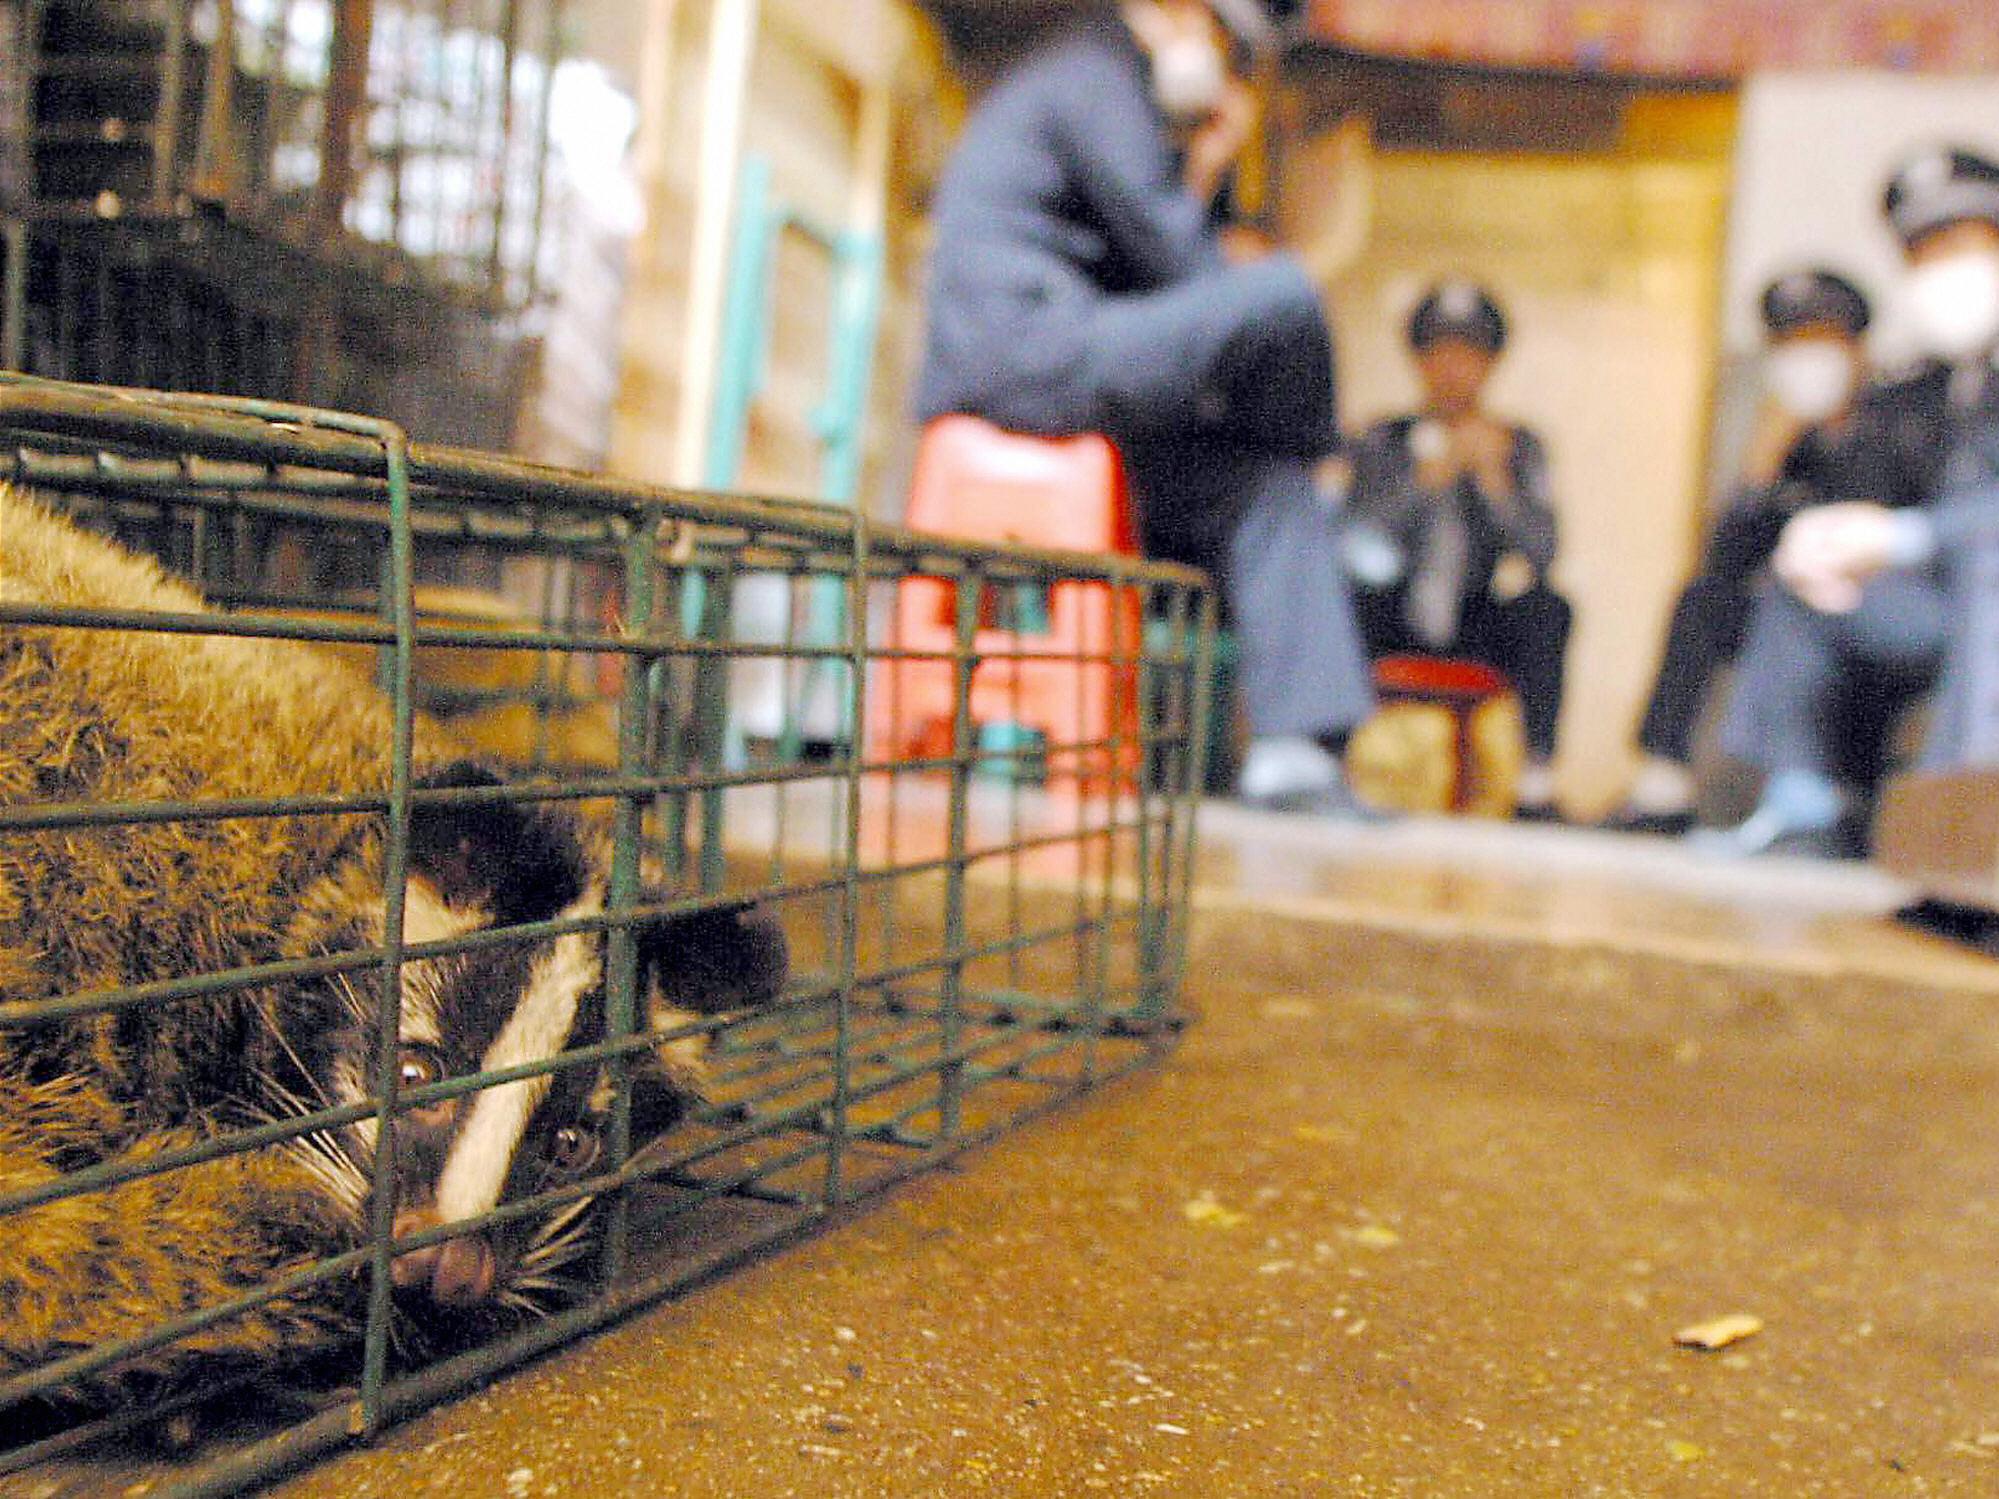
<point x="1512" y="578"/>
<point x="1777" y="432"/>
<point x="1827" y="553"/>
<point x="1218" y="140"/>
<point x="1485" y="451"/>
<point x="1243" y="243"/>
<point x="1332" y="478"/>
<point x="1435" y="453"/>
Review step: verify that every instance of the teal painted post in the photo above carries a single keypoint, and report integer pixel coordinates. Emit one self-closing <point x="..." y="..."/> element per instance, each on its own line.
<point x="840" y="419"/>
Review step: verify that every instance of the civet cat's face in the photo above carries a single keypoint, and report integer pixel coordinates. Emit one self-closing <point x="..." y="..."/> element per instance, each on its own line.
<point x="474" y="868"/>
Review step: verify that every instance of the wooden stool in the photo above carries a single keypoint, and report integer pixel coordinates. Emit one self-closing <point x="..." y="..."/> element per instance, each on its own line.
<point x="1448" y="737"/>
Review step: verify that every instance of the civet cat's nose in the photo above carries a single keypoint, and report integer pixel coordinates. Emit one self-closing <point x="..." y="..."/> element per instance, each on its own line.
<point x="456" y="1273"/>
<point x="465" y="1273"/>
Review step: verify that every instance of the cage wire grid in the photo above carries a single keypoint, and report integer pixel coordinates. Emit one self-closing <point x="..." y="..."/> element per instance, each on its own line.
<point x="969" y="948"/>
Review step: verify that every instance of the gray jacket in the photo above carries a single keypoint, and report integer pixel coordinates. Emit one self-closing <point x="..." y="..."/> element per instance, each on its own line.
<point x="1387" y="499"/>
<point x="1064" y="189"/>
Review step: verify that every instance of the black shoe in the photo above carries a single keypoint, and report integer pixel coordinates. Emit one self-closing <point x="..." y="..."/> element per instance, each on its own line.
<point x="1629" y="819"/>
<point x="1334" y="801"/>
<point x="1845" y="839"/>
<point x="1542" y="812"/>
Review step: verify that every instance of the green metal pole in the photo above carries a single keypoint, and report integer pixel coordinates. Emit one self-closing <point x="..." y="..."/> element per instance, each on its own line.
<point x="395" y="875"/>
<point x="711" y="719"/>
<point x="951" y="1077"/>
<point x="621" y="1007"/>
<point x="1155" y="773"/>
<point x="1187" y="797"/>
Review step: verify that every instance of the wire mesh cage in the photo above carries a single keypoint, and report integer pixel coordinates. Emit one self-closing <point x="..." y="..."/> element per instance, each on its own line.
<point x="290" y="199"/>
<point x="974" y="936"/>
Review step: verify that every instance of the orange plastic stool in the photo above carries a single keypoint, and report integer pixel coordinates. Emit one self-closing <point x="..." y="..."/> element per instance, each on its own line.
<point x="976" y="481"/>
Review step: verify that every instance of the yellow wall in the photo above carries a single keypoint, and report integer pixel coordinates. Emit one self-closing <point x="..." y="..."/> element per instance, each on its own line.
<point x="1609" y="266"/>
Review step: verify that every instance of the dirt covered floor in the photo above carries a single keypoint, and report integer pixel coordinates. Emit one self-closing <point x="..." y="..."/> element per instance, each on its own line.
<point x="1418" y="1207"/>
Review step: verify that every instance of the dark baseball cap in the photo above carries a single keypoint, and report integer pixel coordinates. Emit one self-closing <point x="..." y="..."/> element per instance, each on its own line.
<point x="1458" y="309"/>
<point x="1940" y="187"/>
<point x="1815" y="295"/>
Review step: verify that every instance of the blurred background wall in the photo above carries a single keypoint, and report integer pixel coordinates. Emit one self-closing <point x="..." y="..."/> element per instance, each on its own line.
<point x="811" y="77"/>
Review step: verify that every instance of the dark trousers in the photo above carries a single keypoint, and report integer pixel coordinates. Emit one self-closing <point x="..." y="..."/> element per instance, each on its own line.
<point x="1219" y="392"/>
<point x="1706" y="632"/>
<point x="1820" y="692"/>
<point x="1304" y="671"/>
<point x="1525" y="640"/>
<point x="1242" y="356"/>
<point x="1964" y="722"/>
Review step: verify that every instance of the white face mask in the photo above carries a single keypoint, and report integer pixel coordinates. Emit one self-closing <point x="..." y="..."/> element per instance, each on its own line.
<point x="1812" y="378"/>
<point x="1188" y="77"/>
<point x="1954" y="304"/>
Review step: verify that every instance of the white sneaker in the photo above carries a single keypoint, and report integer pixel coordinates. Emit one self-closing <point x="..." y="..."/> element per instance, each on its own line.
<point x="1285" y="767"/>
<point x="1300" y="775"/>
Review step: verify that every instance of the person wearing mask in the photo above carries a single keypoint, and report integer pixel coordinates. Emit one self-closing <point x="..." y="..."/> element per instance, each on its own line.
<point x="1450" y="533"/>
<point x="1823" y="435"/>
<point x="1871" y="597"/>
<point x="1078" y="282"/>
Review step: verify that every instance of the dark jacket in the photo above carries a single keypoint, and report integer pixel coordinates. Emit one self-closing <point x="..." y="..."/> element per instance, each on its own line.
<point x="1964" y="722"/>
<point x="1064" y="189"/>
<point x="1967" y="505"/>
<point x="1891" y="451"/>
<point x="1387" y="497"/>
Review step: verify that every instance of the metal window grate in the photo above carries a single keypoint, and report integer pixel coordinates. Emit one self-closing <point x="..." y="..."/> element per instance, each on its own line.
<point x="969" y="948"/>
<point x="205" y="303"/>
<point x="420" y="129"/>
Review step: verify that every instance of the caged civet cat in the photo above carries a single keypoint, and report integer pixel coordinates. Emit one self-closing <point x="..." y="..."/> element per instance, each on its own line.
<point x="109" y="717"/>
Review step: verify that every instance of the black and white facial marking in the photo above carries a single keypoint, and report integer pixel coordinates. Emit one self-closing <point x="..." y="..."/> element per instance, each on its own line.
<point x="475" y="868"/>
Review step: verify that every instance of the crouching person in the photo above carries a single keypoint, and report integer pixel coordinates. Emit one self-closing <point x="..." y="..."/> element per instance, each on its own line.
<point x="1824" y="436"/>
<point x="1451" y="533"/>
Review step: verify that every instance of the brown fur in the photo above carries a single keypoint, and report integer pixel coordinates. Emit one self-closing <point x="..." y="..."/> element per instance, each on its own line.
<point x="486" y="694"/>
<point x="90" y="908"/>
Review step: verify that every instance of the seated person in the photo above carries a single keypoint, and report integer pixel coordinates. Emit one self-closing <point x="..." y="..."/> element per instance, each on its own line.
<point x="1078" y="283"/>
<point x="1449" y="531"/>
<point x="1869" y="605"/>
<point x="1822" y="437"/>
